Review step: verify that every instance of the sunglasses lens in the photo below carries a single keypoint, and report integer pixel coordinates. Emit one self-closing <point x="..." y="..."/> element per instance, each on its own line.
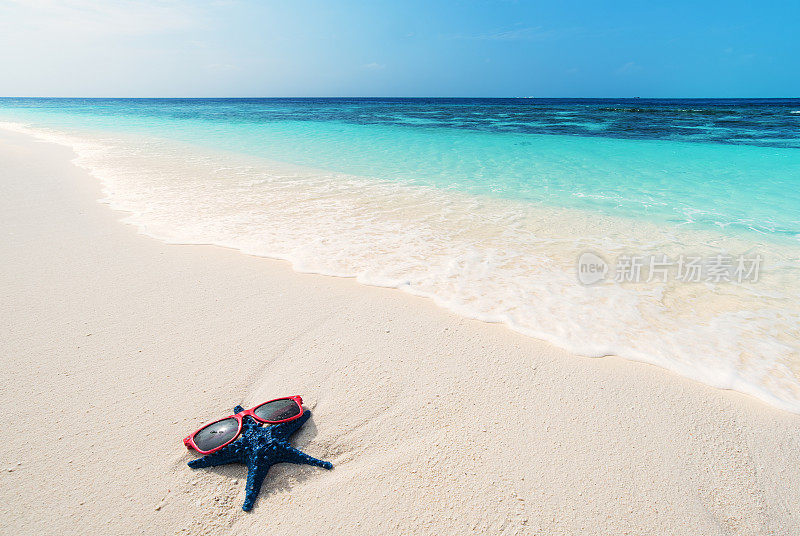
<point x="216" y="434"/>
<point x="278" y="410"/>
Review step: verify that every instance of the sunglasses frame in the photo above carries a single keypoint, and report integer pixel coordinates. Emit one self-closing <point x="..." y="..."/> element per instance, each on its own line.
<point x="189" y="440"/>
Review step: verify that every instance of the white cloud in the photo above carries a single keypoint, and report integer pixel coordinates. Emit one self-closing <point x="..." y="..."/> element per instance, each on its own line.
<point x="629" y="67"/>
<point x="374" y="66"/>
<point x="221" y="68"/>
<point x="89" y="19"/>
<point x="531" y="33"/>
<point x="527" y="33"/>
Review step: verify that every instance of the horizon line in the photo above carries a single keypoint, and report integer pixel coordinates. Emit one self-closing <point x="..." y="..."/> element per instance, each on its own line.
<point x="393" y="97"/>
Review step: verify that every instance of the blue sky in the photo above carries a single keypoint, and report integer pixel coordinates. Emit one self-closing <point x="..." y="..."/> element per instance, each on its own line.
<point x="400" y="48"/>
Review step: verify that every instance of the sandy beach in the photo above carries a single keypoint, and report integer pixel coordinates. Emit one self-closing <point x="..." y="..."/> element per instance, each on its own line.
<point x="115" y="346"/>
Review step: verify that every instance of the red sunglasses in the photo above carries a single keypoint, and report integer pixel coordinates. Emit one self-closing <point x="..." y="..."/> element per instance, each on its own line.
<point x="213" y="436"/>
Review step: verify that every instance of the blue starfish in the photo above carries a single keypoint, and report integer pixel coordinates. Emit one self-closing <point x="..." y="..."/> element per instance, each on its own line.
<point x="259" y="448"/>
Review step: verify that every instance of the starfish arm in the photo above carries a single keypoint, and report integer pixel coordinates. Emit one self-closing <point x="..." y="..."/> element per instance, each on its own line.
<point x="221" y="457"/>
<point x="260" y="447"/>
<point x="284" y="430"/>
<point x="294" y="455"/>
<point x="255" y="477"/>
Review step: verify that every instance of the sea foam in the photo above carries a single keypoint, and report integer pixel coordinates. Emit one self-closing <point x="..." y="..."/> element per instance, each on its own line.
<point x="492" y="259"/>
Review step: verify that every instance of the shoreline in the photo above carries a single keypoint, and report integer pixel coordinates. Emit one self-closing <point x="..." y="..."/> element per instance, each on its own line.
<point x="111" y="334"/>
<point x="493" y="260"/>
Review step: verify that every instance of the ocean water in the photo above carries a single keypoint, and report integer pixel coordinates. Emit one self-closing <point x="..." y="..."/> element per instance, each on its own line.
<point x="491" y="207"/>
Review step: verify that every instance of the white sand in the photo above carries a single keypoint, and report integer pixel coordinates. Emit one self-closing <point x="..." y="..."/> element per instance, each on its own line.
<point x="115" y="346"/>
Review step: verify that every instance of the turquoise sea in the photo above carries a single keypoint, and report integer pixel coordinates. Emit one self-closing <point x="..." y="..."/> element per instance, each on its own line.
<point x="487" y="205"/>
